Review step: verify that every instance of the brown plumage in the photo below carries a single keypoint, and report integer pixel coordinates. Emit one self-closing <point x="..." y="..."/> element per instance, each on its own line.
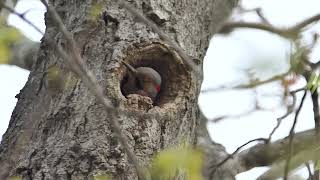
<point x="144" y="81"/>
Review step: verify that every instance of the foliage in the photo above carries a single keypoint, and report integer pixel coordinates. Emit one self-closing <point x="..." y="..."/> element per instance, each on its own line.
<point x="170" y="161"/>
<point x="313" y="82"/>
<point x="317" y="165"/>
<point x="9" y="35"/>
<point x="297" y="160"/>
<point x="297" y="60"/>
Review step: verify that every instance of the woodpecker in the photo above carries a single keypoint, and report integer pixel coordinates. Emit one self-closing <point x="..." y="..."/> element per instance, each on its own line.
<point x="144" y="81"/>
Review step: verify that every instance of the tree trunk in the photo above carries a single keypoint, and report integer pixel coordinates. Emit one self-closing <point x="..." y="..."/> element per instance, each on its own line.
<point x="64" y="133"/>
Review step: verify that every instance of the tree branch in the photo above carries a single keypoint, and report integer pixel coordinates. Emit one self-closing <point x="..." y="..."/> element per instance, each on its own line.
<point x="309" y="170"/>
<point x="213" y="154"/>
<point x="291" y="136"/>
<point x="266" y="154"/>
<point x="230" y="26"/>
<point x="315" y="102"/>
<point x="23" y="51"/>
<point x="22" y="16"/>
<point x="290" y="33"/>
<point x="258" y="11"/>
<point x="299" y="26"/>
<point x="216" y="166"/>
<point x="9" y="3"/>
<point x="316" y="115"/>
<point x="249" y="85"/>
<point x="290" y="109"/>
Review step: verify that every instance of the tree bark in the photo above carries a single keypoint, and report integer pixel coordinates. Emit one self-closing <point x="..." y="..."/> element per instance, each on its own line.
<point x="64" y="133"/>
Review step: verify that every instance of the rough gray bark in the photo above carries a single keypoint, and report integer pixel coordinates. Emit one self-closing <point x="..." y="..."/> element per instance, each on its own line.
<point x="65" y="133"/>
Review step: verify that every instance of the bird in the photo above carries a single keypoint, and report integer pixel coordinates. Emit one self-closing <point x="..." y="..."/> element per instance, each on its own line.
<point x="144" y="81"/>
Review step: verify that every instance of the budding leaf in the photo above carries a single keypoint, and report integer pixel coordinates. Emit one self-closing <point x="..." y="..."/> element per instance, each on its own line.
<point x="313" y="82"/>
<point x="170" y="161"/>
<point x="9" y="35"/>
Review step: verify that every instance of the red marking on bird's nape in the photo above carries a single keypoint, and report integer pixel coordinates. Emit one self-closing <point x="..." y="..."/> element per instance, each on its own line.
<point x="158" y="88"/>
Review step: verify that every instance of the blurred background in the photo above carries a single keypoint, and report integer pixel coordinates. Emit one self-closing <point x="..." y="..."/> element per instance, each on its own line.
<point x="235" y="116"/>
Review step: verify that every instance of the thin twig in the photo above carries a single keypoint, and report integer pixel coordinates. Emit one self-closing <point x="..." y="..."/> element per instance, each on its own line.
<point x="219" y="118"/>
<point x="291" y="136"/>
<point x="21" y="16"/>
<point x="315" y="65"/>
<point x="233" y="25"/>
<point x="250" y="85"/>
<point x="279" y="120"/>
<point x="163" y="36"/>
<point x="299" y="26"/>
<point x="316" y="115"/>
<point x="216" y="166"/>
<point x="309" y="170"/>
<point x="298" y="90"/>
<point x="290" y="109"/>
<point x="316" y="173"/>
<point x="91" y="82"/>
<point x="290" y="33"/>
<point x="315" y="102"/>
<point x="259" y="13"/>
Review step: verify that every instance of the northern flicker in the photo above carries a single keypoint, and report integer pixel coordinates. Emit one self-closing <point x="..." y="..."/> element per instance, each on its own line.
<point x="144" y="81"/>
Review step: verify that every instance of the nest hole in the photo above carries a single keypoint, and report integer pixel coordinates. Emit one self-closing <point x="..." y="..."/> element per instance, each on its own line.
<point x="174" y="74"/>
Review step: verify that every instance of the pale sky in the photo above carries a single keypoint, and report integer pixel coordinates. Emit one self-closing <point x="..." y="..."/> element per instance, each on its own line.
<point x="227" y="58"/>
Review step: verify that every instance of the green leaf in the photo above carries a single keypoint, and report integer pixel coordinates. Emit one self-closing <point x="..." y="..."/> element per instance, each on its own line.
<point x="9" y="35"/>
<point x="317" y="166"/>
<point x="313" y="82"/>
<point x="170" y="161"/>
<point x="4" y="54"/>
